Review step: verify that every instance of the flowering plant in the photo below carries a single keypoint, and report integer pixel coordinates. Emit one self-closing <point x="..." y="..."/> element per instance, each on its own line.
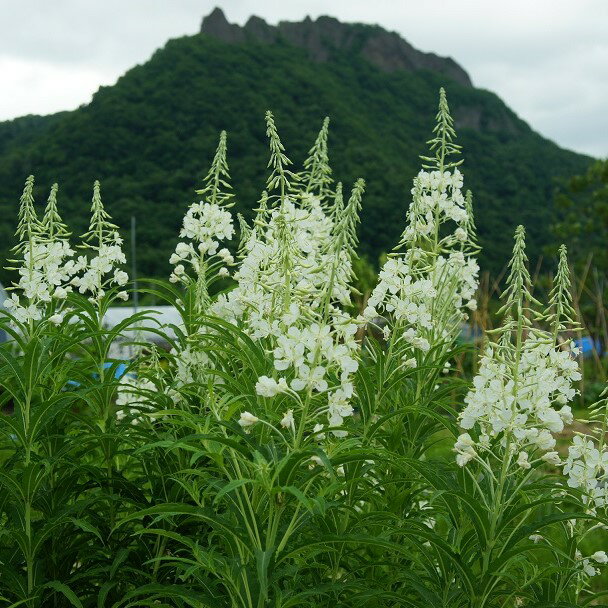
<point x="289" y="449"/>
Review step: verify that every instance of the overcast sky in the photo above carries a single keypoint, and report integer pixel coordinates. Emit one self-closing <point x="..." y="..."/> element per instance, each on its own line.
<point x="547" y="59"/>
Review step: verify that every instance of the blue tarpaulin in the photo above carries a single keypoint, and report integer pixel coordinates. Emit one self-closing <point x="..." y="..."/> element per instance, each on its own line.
<point x="119" y="371"/>
<point x="587" y="345"/>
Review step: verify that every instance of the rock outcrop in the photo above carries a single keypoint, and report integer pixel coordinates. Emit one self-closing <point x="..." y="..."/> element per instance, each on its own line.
<point x="326" y="35"/>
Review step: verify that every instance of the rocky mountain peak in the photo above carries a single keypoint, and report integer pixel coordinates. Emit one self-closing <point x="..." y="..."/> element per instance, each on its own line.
<point x="326" y="35"/>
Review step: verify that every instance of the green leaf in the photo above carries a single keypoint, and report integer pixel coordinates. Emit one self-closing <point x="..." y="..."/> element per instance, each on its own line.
<point x="66" y="591"/>
<point x="230" y="486"/>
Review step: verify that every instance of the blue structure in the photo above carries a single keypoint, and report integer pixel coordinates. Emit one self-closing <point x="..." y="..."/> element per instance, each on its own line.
<point x="119" y="371"/>
<point x="588" y="344"/>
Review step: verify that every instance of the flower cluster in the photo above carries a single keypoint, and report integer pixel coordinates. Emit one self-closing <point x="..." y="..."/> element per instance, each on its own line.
<point x="293" y="305"/>
<point x="268" y="293"/>
<point x="297" y="257"/>
<point x="44" y="275"/>
<point x="525" y="376"/>
<point x="599" y="557"/>
<point x="190" y="365"/>
<point x="102" y="269"/>
<point x="132" y="397"/>
<point x="425" y="293"/>
<point x="407" y="299"/>
<point x="313" y="354"/>
<point x="515" y="397"/>
<point x="205" y="225"/>
<point x="437" y="198"/>
<point x="426" y="305"/>
<point x="293" y="278"/>
<point x="587" y="468"/>
<point x="45" y="268"/>
<point x="198" y="262"/>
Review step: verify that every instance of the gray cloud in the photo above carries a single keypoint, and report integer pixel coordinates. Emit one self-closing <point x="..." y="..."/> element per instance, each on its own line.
<point x="547" y="59"/>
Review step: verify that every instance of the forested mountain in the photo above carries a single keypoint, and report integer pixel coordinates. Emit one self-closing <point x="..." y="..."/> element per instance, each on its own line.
<point x="150" y="137"/>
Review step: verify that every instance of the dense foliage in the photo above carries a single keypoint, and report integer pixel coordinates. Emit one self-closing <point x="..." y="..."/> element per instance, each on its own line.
<point x="582" y="219"/>
<point x="146" y="138"/>
<point x="288" y="451"/>
<point x="582" y="223"/>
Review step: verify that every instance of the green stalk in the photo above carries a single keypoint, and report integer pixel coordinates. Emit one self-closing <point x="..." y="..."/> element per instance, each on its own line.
<point x="29" y="557"/>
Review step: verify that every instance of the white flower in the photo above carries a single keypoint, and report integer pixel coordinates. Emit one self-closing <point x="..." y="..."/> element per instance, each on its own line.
<point x="61" y="292"/>
<point x="292" y="315"/>
<point x="566" y="414"/>
<point x="464" y="443"/>
<point x="120" y="277"/>
<point x="588" y="569"/>
<point x="183" y="251"/>
<point x="464" y="449"/>
<point x="317" y="460"/>
<point x="223" y="272"/>
<point x="318" y="435"/>
<point x="463" y="458"/>
<point x="421" y="343"/>
<point x="536" y="538"/>
<point x="11" y="302"/>
<point x="247" y="419"/>
<point x="225" y="256"/>
<point x="600" y="557"/>
<point x="551" y="458"/>
<point x="269" y="387"/>
<point x="287" y="421"/>
<point x="522" y="460"/>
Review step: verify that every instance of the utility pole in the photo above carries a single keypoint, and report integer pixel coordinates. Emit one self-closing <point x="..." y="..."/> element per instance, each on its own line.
<point x="134" y="264"/>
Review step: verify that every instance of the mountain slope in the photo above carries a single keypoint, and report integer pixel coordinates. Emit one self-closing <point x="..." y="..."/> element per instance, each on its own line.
<point x="150" y="137"/>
